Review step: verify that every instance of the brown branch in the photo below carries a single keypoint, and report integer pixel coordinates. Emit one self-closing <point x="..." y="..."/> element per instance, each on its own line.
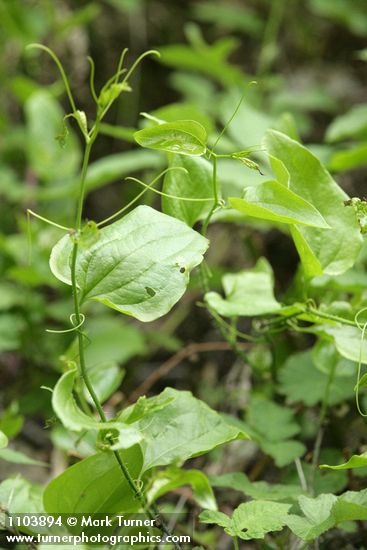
<point x="173" y="361"/>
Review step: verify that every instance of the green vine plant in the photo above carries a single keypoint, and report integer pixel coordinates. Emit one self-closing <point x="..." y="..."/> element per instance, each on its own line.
<point x="138" y="262"/>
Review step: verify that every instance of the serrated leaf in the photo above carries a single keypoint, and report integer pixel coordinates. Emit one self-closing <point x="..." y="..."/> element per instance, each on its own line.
<point x="200" y="428"/>
<point x="95" y="485"/>
<point x="195" y="183"/>
<point x="140" y="265"/>
<point x="327" y="511"/>
<point x="317" y="520"/>
<point x="329" y="251"/>
<point x="247" y="293"/>
<point x="251" y="520"/>
<point x="75" y="419"/>
<point x="355" y="461"/>
<point x="185" y="137"/>
<point x="271" y="200"/>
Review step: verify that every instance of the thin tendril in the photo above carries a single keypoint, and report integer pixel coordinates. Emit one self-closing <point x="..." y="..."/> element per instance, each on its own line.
<point x="136" y="63"/>
<point x="61" y="69"/>
<point x="29" y="238"/>
<point x="46" y="220"/>
<point x="74" y="328"/>
<point x="121" y="62"/>
<point x="136" y="180"/>
<point x="135" y="199"/>
<point x="225" y="127"/>
<point x="91" y="79"/>
<point x="363" y="331"/>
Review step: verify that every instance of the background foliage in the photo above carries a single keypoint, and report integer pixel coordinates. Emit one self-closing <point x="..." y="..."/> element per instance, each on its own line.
<point x="290" y="383"/>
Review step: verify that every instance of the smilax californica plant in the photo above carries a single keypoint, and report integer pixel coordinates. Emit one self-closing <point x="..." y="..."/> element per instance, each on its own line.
<point x="139" y="264"/>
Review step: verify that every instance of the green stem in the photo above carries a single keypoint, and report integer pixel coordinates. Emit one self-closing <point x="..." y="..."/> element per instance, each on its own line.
<point x="235" y="543"/>
<point x="215" y="196"/>
<point x="331" y="317"/>
<point x="322" y="416"/>
<point x="152" y="512"/>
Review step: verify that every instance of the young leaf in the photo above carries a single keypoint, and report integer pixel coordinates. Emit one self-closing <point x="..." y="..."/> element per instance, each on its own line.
<point x="185" y="137"/>
<point x="73" y="418"/>
<point x="95" y="485"/>
<point x="333" y="251"/>
<point x="140" y="265"/>
<point x="196" y="183"/>
<point x="248" y="293"/>
<point x="355" y="461"/>
<point x="172" y="478"/>
<point x="270" y="200"/>
<point x="199" y="427"/>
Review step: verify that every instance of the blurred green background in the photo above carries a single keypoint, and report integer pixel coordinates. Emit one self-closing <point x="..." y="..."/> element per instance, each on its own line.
<point x="308" y="58"/>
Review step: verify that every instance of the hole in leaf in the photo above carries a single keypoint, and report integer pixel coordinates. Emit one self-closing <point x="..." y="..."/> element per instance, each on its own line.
<point x="182" y="269"/>
<point x="150" y="291"/>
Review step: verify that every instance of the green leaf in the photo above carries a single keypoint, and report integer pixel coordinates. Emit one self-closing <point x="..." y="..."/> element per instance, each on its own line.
<point x="271" y="425"/>
<point x="248" y="293"/>
<point x="318" y="518"/>
<point x="271" y="200"/>
<point x="195" y="183"/>
<point x="347" y="341"/>
<point x="185" y="137"/>
<point x="105" y="378"/>
<point x="19" y="496"/>
<point x="172" y="478"/>
<point x="326" y="511"/>
<point x="104" y="171"/>
<point x="212" y="516"/>
<point x="184" y="111"/>
<point x="348" y="159"/>
<point x="73" y="418"/>
<point x="47" y="159"/>
<point x="251" y="520"/>
<point x="355" y="461"/>
<point x="257" y="489"/>
<point x="140" y="265"/>
<point x="95" y="485"/>
<point x="16" y="457"/>
<point x="350" y="125"/>
<point x="333" y="251"/>
<point x="3" y="440"/>
<point x="301" y="381"/>
<point x="199" y="427"/>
